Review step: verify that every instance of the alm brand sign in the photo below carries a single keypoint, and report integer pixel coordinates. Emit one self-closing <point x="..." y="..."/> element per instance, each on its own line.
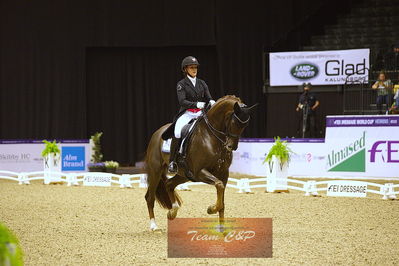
<point x="73" y="159"/>
<point x="350" y="157"/>
<point x="304" y="71"/>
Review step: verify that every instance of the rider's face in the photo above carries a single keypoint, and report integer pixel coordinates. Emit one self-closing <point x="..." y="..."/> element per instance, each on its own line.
<point x="192" y="70"/>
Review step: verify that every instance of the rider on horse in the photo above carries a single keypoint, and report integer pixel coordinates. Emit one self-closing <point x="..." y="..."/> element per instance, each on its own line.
<point x="192" y="94"/>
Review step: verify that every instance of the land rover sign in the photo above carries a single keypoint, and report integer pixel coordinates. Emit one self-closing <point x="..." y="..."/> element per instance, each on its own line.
<point x="304" y="71"/>
<point x="319" y="67"/>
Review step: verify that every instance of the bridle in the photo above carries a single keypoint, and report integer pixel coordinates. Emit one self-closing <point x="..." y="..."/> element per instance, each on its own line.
<point x="226" y="134"/>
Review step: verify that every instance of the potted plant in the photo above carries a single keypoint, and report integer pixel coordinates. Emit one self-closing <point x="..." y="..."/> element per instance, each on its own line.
<point x="96" y="164"/>
<point x="277" y="160"/>
<point x="51" y="156"/>
<point x="111" y="166"/>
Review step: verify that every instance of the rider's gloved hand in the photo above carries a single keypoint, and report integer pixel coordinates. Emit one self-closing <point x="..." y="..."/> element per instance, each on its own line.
<point x="200" y="105"/>
<point x="212" y="102"/>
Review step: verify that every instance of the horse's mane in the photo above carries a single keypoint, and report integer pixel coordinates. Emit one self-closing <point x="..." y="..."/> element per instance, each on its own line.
<point x="229" y="97"/>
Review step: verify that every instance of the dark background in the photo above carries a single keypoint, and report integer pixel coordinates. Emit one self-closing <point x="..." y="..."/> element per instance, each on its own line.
<point x="70" y="68"/>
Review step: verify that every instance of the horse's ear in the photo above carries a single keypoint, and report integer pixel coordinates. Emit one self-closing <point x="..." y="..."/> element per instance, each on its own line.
<point x="237" y="109"/>
<point x="249" y="110"/>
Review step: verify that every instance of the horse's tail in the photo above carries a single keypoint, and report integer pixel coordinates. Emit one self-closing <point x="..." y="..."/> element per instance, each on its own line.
<point x="162" y="197"/>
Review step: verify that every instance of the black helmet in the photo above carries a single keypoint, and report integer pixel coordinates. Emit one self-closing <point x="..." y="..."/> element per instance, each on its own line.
<point x="189" y="60"/>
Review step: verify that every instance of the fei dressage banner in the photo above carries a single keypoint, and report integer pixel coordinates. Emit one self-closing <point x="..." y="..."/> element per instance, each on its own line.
<point x="362" y="146"/>
<point x="25" y="155"/>
<point x="319" y="67"/>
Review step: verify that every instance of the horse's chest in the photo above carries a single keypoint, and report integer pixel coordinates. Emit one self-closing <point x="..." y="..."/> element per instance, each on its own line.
<point x="224" y="161"/>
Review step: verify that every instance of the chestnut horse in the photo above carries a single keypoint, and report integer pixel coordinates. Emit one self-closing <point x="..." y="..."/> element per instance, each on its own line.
<point x="208" y="157"/>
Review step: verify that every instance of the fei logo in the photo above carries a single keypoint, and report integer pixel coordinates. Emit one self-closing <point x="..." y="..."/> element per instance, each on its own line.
<point x="73" y="159"/>
<point x="388" y="151"/>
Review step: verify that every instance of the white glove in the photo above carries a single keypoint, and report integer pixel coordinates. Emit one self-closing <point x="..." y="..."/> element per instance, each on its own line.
<point x="200" y="105"/>
<point x="212" y="102"/>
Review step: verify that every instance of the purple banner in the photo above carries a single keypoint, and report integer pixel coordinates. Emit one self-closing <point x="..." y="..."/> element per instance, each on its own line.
<point x="363" y="121"/>
<point x="36" y="141"/>
<point x="291" y="140"/>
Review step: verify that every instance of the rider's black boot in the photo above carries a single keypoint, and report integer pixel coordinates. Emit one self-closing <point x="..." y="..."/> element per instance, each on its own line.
<point x="174" y="147"/>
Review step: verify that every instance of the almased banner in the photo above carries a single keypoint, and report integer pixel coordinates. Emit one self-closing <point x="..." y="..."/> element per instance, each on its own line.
<point x="362" y="146"/>
<point x="319" y="67"/>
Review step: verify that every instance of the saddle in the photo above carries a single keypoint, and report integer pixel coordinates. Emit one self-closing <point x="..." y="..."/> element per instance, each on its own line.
<point x="186" y="134"/>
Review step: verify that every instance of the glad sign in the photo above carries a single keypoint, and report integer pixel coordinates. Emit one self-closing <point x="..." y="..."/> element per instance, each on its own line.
<point x="319" y="67"/>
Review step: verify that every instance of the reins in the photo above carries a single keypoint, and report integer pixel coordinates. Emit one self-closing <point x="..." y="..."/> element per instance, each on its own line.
<point x="226" y="134"/>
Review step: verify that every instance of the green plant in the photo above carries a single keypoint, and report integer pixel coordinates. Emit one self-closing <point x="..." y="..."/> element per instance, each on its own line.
<point x="10" y="250"/>
<point x="97" y="155"/>
<point x="281" y="150"/>
<point x="50" y="148"/>
<point x="111" y="164"/>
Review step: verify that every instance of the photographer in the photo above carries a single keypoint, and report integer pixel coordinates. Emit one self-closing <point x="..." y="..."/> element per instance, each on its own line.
<point x="308" y="104"/>
<point x="383" y="86"/>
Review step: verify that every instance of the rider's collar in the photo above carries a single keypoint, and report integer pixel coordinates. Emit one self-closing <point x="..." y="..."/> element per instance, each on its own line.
<point x="193" y="80"/>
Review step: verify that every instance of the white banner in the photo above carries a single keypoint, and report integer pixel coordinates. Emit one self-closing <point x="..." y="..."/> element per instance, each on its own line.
<point x="319" y="67"/>
<point x="347" y="188"/>
<point x="25" y="155"/>
<point x="307" y="160"/>
<point x="362" y="146"/>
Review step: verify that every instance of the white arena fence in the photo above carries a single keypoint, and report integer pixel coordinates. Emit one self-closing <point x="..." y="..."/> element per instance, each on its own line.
<point x="243" y="185"/>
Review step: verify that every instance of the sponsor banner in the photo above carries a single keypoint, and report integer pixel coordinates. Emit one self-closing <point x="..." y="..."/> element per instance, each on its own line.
<point x="25" y="155"/>
<point x="370" y="150"/>
<point x="344" y="188"/>
<point x="362" y="121"/>
<point x="307" y="159"/>
<point x="319" y="67"/>
<point x="97" y="179"/>
<point x="205" y="238"/>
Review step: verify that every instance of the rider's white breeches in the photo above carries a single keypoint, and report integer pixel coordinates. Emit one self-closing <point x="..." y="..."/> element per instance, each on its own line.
<point x="183" y="120"/>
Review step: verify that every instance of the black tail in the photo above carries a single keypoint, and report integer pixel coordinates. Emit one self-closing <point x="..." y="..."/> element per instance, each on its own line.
<point x="162" y="197"/>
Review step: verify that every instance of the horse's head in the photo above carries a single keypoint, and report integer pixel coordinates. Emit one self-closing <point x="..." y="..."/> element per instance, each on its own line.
<point x="234" y="116"/>
<point x="236" y="123"/>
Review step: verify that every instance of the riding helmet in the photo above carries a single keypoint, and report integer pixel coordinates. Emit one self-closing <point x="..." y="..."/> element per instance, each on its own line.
<point x="189" y="60"/>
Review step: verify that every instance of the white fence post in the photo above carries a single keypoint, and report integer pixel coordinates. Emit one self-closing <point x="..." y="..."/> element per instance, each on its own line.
<point x="388" y="191"/>
<point x="310" y="188"/>
<point x="143" y="181"/>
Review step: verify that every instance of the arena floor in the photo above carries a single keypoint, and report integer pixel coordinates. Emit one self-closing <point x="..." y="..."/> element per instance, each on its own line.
<point x="60" y="225"/>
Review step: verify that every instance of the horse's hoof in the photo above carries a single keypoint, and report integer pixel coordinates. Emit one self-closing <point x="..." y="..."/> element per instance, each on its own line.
<point x="211" y="210"/>
<point x="172" y="213"/>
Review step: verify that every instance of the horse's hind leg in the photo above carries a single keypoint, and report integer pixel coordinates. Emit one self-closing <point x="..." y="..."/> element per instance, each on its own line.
<point x="171" y="184"/>
<point x="150" y="198"/>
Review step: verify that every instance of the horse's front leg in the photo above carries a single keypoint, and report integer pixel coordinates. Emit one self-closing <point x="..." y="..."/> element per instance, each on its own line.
<point x="207" y="177"/>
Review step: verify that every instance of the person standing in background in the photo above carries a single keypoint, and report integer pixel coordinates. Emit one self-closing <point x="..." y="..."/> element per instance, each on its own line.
<point x="308" y="104"/>
<point x="383" y="86"/>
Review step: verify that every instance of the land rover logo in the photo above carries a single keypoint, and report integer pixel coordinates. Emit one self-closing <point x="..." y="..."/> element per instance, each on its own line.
<point x="304" y="71"/>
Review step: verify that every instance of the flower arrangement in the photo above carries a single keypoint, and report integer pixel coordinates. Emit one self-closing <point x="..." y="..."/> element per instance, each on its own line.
<point x="281" y="150"/>
<point x="110" y="166"/>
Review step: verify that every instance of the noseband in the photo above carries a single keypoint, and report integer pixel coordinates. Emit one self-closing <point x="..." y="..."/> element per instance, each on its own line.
<point x="226" y="134"/>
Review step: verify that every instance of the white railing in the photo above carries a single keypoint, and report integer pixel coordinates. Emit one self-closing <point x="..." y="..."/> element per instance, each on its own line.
<point x="73" y="178"/>
<point x="243" y="185"/>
